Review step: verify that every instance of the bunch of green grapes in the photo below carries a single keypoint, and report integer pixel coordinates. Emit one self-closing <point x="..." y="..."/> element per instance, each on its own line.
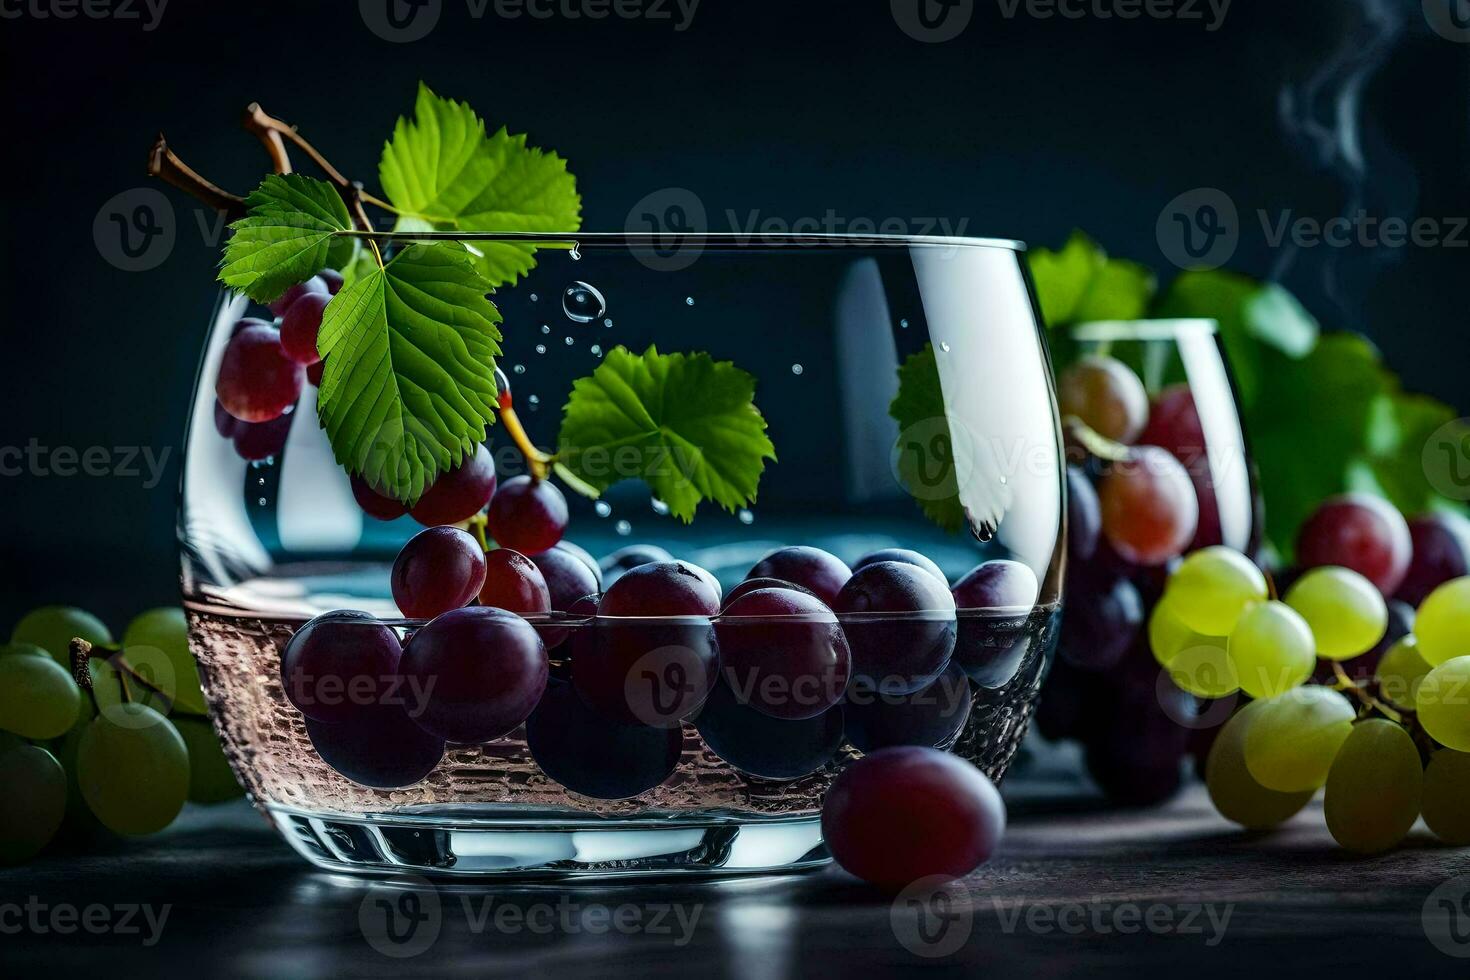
<point x="1387" y="749"/>
<point x="120" y="753"/>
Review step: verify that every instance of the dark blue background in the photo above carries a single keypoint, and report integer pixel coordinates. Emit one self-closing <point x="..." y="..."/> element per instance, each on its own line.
<point x="1020" y="127"/>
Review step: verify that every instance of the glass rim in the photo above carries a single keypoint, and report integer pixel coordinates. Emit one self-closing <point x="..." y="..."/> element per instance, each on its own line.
<point x="1143" y="329"/>
<point x="715" y="240"/>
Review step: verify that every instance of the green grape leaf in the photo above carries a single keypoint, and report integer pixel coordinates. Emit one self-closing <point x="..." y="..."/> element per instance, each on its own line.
<point x="409" y="384"/>
<point x="925" y="451"/>
<point x="291" y="231"/>
<point x="684" y="423"/>
<point x="441" y="170"/>
<point x="1080" y="283"/>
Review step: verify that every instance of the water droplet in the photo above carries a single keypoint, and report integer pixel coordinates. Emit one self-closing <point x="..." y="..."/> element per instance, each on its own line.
<point x="688" y="300"/>
<point x="797" y="369"/>
<point x="1003" y="481"/>
<point x="570" y="341"/>
<point x="984" y="533"/>
<point x="261" y="481"/>
<point x="597" y="349"/>
<point x="623" y="528"/>
<point x="541" y="348"/>
<point x="659" y="507"/>
<point x="535" y="298"/>
<point x="607" y="323"/>
<point x="903" y="324"/>
<point x="546" y="328"/>
<point x="583" y="303"/>
<point x="576" y="254"/>
<point x="519" y="369"/>
<point x="944" y="346"/>
<point x="603" y="508"/>
<point x="534" y="401"/>
<point x="261" y="501"/>
<point x="745" y="516"/>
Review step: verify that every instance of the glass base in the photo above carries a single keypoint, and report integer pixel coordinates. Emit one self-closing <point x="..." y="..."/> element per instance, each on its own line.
<point x="528" y="846"/>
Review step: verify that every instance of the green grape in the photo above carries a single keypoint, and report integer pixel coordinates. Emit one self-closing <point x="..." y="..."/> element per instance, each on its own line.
<point x="32" y="804"/>
<point x="22" y="650"/>
<point x="1400" y="673"/>
<point x="1237" y="795"/>
<point x="133" y="771"/>
<point x="146" y="662"/>
<point x="167" y="630"/>
<point x="1212" y="587"/>
<point x="1444" y="704"/>
<point x="1273" y="649"/>
<point x="1446" y="802"/>
<point x="1374" y="787"/>
<point x="210" y="777"/>
<point x="1204" y="668"/>
<point x="81" y="824"/>
<point x="1167" y="633"/>
<point x="1443" y="623"/>
<point x="52" y="628"/>
<point x="1346" y="612"/>
<point x="37" y="698"/>
<point x="1295" y="736"/>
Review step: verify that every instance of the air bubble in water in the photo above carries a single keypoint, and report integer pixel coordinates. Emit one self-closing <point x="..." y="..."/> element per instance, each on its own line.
<point x="570" y="341"/>
<point x="659" y="507"/>
<point x="535" y="298"/>
<point x="944" y="346"/>
<point x="796" y="369"/>
<point x="519" y="369"/>
<point x="541" y="348"/>
<point x="623" y="528"/>
<point x="546" y="328"/>
<point x="607" y="323"/>
<point x="261" y="501"/>
<point x="597" y="349"/>
<point x="583" y="303"/>
<point x="903" y="324"/>
<point x="745" y="516"/>
<point x="534" y="401"/>
<point x="688" y="300"/>
<point x="603" y="508"/>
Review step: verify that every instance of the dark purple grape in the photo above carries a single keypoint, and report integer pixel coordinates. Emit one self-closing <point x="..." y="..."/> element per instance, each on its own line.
<point x="1441" y="552"/>
<point x="225" y="423"/>
<point x="931" y="717"/>
<point x="614" y="565"/>
<point x="997" y="584"/>
<point x="1101" y="620"/>
<point x="709" y="579"/>
<point x="783" y="653"/>
<point x="257" y="382"/>
<point x="1084" y="516"/>
<point x="1136" y="750"/>
<point x="315" y="371"/>
<point x="991" y="647"/>
<point x="316" y="284"/>
<point x="459" y="494"/>
<point x="481" y="671"/>
<point x="813" y="569"/>
<point x="262" y="440"/>
<point x="438" y="569"/>
<point x="595" y="757"/>
<point x="333" y="279"/>
<point x="772" y="748"/>
<point x="248" y="322"/>
<point x="575" y="640"/>
<point x="381" y="747"/>
<point x="339" y="663"/>
<point x="515" y="584"/>
<point x="1358" y="531"/>
<point x="300" y="325"/>
<point x="373" y="503"/>
<point x="903" y="555"/>
<point x="906" y="813"/>
<point x="756" y="584"/>
<point x="528" y="515"/>
<point x="654" y="658"/>
<point x="900" y="624"/>
<point x="568" y="577"/>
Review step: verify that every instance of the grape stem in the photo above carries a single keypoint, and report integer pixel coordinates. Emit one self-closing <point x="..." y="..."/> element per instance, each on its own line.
<point x="81" y="655"/>
<point x="166" y="165"/>
<point x="266" y="126"/>
<point x="477" y="526"/>
<point x="1369" y="702"/>
<point x="539" y="462"/>
<point x="1096" y="444"/>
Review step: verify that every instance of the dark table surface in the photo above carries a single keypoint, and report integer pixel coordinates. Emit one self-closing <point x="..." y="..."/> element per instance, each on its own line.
<point x="1076" y="889"/>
